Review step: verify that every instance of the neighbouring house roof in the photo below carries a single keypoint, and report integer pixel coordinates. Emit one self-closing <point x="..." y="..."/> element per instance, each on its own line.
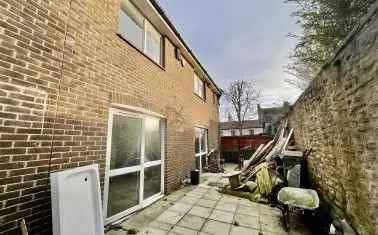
<point x="235" y="125"/>
<point x="180" y="43"/>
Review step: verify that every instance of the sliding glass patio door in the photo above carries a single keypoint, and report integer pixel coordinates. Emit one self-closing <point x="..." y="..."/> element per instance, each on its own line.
<point x="134" y="175"/>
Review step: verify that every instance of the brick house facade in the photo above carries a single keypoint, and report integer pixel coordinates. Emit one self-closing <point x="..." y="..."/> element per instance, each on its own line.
<point x="54" y="114"/>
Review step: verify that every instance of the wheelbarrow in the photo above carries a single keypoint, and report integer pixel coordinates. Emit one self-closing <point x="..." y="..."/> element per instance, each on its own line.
<point x="296" y="199"/>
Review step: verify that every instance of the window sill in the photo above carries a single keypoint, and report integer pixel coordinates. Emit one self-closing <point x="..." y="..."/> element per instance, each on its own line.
<point x="141" y="52"/>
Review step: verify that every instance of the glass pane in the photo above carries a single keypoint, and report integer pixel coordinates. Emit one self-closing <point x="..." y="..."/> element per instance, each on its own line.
<point x="195" y="84"/>
<point x="203" y="160"/>
<point x="152" y="181"/>
<point x="153" y="43"/>
<point x="131" y="24"/>
<point x="198" y="159"/>
<point x="126" y="142"/>
<point x="197" y="139"/>
<point x="153" y="140"/>
<point x="203" y="140"/>
<point x="123" y="193"/>
<point x="200" y="88"/>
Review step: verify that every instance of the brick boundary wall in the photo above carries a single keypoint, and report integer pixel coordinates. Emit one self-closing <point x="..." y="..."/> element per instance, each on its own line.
<point x="337" y="116"/>
<point x="51" y="123"/>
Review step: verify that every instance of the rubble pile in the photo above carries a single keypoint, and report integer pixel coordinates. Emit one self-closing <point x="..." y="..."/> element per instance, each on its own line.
<point x="262" y="175"/>
<point x="273" y="175"/>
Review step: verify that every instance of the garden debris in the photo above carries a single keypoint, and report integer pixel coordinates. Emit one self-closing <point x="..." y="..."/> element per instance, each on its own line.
<point x="266" y="171"/>
<point x="215" y="164"/>
<point x="263" y="180"/>
<point x="341" y="227"/>
<point x="234" y="179"/>
<point x="264" y="177"/>
<point x="251" y="186"/>
<point x="258" y="175"/>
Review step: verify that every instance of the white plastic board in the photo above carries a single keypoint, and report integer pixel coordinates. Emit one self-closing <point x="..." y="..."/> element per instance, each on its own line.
<point x="76" y="202"/>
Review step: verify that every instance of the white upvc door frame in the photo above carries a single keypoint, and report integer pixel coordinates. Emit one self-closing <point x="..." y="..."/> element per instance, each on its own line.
<point x="127" y="170"/>
<point x="201" y="152"/>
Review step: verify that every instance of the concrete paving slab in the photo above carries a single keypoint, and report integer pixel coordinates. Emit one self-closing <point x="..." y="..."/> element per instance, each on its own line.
<point x="143" y="218"/>
<point x="160" y="225"/>
<point x="270" y="219"/>
<point x="216" y="228"/>
<point x="270" y="211"/>
<point x="170" y="217"/>
<point x="222" y="216"/>
<point x="181" y="207"/>
<point x="237" y="230"/>
<point x="192" y="222"/>
<point x="247" y="210"/>
<point x="212" y="195"/>
<point x="150" y="231"/>
<point x="247" y="221"/>
<point x="226" y="206"/>
<point x="195" y="194"/>
<point x="189" y="200"/>
<point x="206" y="203"/>
<point x="229" y="200"/>
<point x="246" y="202"/>
<point x="175" y="196"/>
<point x="201" y="189"/>
<point x="200" y="211"/>
<point x="272" y="223"/>
<point x="183" y="231"/>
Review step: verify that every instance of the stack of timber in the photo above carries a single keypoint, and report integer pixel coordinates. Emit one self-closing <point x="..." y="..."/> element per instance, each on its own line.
<point x="259" y="176"/>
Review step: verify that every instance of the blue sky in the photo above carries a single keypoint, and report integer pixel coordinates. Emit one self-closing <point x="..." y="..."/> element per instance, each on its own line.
<point x="241" y="39"/>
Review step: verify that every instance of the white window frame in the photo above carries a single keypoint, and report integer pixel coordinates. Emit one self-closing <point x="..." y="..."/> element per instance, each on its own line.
<point x="127" y="170"/>
<point x="146" y="24"/>
<point x="197" y="87"/>
<point x="202" y="152"/>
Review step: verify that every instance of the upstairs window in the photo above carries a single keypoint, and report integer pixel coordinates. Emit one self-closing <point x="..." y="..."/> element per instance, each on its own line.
<point x="215" y="98"/>
<point x="199" y="87"/>
<point x="135" y="28"/>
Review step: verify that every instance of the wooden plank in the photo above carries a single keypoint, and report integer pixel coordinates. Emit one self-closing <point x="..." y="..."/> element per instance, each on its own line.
<point x="261" y="154"/>
<point x="287" y="140"/>
<point x="248" y="162"/>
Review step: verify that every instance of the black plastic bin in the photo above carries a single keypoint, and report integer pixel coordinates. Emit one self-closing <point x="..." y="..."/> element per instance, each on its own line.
<point x="195" y="177"/>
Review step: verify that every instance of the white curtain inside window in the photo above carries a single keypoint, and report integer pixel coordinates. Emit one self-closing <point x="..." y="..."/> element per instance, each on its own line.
<point x="195" y="84"/>
<point x="200" y="88"/>
<point x="153" y="43"/>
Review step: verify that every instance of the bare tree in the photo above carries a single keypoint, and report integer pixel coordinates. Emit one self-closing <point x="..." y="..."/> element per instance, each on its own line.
<point x="300" y="75"/>
<point x="242" y="99"/>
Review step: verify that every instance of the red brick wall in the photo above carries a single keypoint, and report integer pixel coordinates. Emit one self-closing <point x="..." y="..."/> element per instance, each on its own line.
<point x="43" y="115"/>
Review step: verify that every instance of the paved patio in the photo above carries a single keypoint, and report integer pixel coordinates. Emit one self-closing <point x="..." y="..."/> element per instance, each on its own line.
<point x="203" y="210"/>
